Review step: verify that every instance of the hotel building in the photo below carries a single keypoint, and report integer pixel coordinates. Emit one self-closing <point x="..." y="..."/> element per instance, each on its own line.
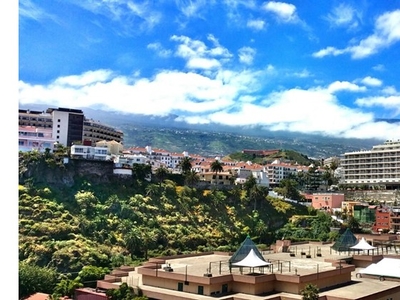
<point x="376" y="167"/>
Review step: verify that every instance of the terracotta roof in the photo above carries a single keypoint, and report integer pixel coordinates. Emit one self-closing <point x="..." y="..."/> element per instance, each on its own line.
<point x="38" y="296"/>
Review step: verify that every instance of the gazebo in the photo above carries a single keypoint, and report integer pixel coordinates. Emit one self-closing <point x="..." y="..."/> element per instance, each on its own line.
<point x="363" y="245"/>
<point x="252" y="261"/>
<point x="248" y="256"/>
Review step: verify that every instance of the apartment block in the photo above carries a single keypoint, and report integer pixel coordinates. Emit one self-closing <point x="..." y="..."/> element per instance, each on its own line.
<point x="69" y="126"/>
<point x="378" y="166"/>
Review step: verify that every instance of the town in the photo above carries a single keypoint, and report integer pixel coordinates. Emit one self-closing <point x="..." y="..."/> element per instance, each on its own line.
<point x="362" y="185"/>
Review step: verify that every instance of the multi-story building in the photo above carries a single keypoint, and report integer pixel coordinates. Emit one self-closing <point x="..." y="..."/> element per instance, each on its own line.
<point x="378" y="166"/>
<point x="94" y="131"/>
<point x="382" y="219"/>
<point x="278" y="171"/>
<point x="32" y="138"/>
<point x="69" y="126"/>
<point x="40" y="119"/>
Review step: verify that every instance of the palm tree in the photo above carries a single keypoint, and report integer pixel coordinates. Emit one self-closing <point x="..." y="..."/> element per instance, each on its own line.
<point x="192" y="178"/>
<point x="161" y="173"/>
<point x="185" y="164"/>
<point x="216" y="167"/>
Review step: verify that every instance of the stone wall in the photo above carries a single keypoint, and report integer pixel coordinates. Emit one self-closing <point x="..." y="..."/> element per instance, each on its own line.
<point x="373" y="195"/>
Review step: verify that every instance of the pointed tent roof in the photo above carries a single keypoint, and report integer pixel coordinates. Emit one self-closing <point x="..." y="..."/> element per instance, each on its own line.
<point x="346" y="240"/>
<point x="244" y="250"/>
<point x="363" y="245"/>
<point x="251" y="260"/>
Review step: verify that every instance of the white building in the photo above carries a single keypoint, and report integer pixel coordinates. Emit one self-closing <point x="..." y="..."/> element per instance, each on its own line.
<point x="88" y="152"/>
<point x="378" y="166"/>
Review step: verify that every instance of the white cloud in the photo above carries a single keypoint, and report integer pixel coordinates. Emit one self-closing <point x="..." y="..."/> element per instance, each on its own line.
<point x="192" y="8"/>
<point x="345" y="86"/>
<point x="246" y="55"/>
<point x="386" y="33"/>
<point x="371" y="81"/>
<point x="390" y="103"/>
<point x="328" y="51"/>
<point x="379" y="67"/>
<point x="159" y="49"/>
<point x="343" y="15"/>
<point x="390" y="90"/>
<point x="226" y="97"/>
<point x="284" y="11"/>
<point x="256" y="24"/>
<point x="198" y="55"/>
<point x="303" y="74"/>
<point x="28" y="9"/>
<point x="133" y="16"/>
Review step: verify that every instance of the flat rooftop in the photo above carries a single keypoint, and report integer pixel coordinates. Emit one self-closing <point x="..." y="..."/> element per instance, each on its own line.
<point x="217" y="264"/>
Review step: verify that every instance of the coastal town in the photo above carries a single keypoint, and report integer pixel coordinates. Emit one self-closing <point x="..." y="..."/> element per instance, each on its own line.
<point x="362" y="185"/>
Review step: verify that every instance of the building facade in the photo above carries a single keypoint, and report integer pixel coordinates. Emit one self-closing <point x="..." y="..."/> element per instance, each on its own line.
<point x="376" y="167"/>
<point x="69" y="126"/>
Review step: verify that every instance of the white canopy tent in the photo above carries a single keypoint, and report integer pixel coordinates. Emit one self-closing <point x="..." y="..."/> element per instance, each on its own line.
<point x="252" y="261"/>
<point x="386" y="267"/>
<point x="363" y="245"/>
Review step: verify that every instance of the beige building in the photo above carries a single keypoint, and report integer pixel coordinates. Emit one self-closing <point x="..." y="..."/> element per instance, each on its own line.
<point x="269" y="276"/>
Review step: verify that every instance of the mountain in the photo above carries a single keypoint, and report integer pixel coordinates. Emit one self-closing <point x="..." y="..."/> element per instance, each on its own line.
<point x="216" y="140"/>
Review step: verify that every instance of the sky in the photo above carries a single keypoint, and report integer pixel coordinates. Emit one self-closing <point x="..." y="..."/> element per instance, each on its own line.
<point x="323" y="67"/>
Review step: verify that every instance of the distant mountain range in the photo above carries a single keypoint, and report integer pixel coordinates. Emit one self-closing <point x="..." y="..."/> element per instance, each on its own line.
<point x="217" y="140"/>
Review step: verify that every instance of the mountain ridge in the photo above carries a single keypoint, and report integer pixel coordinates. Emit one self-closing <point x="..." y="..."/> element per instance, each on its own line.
<point x="216" y="140"/>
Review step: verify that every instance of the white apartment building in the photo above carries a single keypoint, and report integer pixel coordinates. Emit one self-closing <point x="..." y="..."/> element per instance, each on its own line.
<point x="378" y="166"/>
<point x="278" y="171"/>
<point x="88" y="152"/>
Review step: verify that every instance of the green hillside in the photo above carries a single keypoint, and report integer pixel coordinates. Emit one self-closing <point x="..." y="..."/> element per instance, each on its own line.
<point x="111" y="221"/>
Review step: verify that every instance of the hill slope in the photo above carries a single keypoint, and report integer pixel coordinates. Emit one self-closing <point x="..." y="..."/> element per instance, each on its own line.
<point x="109" y="223"/>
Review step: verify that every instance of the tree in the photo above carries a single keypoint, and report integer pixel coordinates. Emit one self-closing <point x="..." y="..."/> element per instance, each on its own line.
<point x="66" y="287"/>
<point x="216" y="167"/>
<point x="191" y="178"/>
<point x="161" y="174"/>
<point x="33" y="279"/>
<point x="141" y="171"/>
<point x="124" y="292"/>
<point x="89" y="275"/>
<point x="185" y="165"/>
<point x="310" y="292"/>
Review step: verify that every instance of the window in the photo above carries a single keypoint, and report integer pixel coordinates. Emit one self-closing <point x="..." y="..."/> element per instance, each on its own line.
<point x="180" y="286"/>
<point x="58" y="126"/>
<point x="200" y="290"/>
<point x="225" y="288"/>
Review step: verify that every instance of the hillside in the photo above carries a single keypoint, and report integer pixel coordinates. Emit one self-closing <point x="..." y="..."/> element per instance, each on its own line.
<point x="108" y="221"/>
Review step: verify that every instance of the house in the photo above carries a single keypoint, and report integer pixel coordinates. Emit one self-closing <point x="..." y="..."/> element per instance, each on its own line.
<point x="327" y="201"/>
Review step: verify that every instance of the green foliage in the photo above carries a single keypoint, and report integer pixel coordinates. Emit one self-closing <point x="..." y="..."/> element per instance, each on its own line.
<point x="124" y="292"/>
<point x="66" y="287"/>
<point x="310" y="292"/>
<point x="33" y="279"/>
<point x="89" y="275"/>
<point x="125" y="222"/>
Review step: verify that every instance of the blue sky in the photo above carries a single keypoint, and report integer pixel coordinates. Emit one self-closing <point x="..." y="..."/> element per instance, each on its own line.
<point x="325" y="67"/>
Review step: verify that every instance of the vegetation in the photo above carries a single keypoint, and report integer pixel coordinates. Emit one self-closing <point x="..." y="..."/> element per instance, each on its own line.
<point x="71" y="235"/>
<point x="310" y="292"/>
